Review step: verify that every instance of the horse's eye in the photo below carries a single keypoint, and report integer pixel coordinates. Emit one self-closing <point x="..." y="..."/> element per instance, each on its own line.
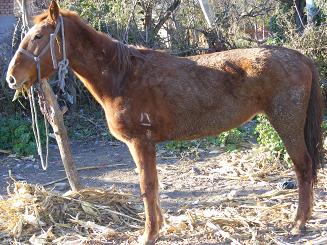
<point x="37" y="36"/>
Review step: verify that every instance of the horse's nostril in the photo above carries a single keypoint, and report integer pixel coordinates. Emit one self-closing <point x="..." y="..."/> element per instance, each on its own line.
<point x="11" y="80"/>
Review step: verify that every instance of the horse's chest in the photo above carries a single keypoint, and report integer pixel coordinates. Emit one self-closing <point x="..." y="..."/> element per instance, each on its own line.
<point x="119" y="123"/>
<point x="143" y="124"/>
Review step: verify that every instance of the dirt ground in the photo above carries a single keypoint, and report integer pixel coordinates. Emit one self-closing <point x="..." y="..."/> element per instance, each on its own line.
<point x="208" y="196"/>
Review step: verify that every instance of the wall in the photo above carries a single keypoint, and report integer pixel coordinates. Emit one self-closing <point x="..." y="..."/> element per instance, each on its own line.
<point x="7" y="23"/>
<point x="6" y="7"/>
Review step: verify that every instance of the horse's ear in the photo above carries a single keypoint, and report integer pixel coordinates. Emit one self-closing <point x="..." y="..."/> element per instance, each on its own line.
<point x="53" y="10"/>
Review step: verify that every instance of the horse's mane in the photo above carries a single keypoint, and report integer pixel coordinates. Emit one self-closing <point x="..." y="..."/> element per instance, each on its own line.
<point x="121" y="52"/>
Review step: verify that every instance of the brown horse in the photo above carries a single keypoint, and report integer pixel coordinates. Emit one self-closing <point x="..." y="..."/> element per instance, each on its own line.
<point x="150" y="96"/>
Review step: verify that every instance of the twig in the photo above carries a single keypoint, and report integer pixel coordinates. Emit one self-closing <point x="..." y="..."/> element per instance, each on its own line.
<point x="221" y="232"/>
<point x="96" y="167"/>
<point x="190" y="50"/>
<point x="221" y="177"/>
<point x="276" y="240"/>
<point x="82" y="168"/>
<point x="254" y="13"/>
<point x="262" y="41"/>
<point x="102" y="207"/>
<point x="171" y="157"/>
<point x="5" y="151"/>
<point x="55" y="181"/>
<point x="89" y="120"/>
<point x="166" y="16"/>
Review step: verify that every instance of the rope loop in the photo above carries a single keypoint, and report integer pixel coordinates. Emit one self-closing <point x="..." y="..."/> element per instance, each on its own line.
<point x="36" y="130"/>
<point x="62" y="72"/>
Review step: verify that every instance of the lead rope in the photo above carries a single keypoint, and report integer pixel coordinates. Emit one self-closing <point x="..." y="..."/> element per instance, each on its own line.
<point x="63" y="64"/>
<point x="36" y="131"/>
<point x="35" y="122"/>
<point x="25" y="27"/>
<point x="31" y="98"/>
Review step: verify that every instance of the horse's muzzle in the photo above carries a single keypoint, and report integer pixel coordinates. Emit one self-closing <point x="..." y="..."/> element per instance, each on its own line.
<point x="11" y="82"/>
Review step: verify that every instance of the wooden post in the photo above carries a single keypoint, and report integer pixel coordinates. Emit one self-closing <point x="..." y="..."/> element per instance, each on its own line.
<point x="55" y="117"/>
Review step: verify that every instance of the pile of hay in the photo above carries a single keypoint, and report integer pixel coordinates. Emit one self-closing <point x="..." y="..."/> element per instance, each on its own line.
<point x="34" y="214"/>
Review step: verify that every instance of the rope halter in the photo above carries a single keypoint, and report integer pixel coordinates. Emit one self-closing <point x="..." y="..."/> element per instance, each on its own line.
<point x="63" y="64"/>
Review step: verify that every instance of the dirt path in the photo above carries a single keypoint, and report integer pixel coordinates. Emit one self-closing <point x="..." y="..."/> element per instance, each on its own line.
<point x="209" y="196"/>
<point x="113" y="156"/>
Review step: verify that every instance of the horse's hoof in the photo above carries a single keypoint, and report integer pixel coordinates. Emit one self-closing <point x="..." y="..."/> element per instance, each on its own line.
<point x="143" y="240"/>
<point x="295" y="231"/>
<point x="298" y="228"/>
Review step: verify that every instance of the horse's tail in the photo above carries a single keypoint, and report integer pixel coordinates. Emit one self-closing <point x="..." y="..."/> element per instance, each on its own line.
<point x="313" y="130"/>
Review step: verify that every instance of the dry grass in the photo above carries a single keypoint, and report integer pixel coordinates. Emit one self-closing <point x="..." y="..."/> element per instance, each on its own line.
<point x="95" y="216"/>
<point x="255" y="218"/>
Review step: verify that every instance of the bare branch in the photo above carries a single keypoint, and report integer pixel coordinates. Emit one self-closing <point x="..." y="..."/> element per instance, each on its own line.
<point x="260" y="10"/>
<point x="166" y="16"/>
<point x="254" y="40"/>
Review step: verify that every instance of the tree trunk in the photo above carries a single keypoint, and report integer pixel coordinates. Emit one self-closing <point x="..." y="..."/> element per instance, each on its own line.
<point x="147" y="8"/>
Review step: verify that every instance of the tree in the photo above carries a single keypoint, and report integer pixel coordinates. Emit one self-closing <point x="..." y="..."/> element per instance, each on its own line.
<point x="152" y="26"/>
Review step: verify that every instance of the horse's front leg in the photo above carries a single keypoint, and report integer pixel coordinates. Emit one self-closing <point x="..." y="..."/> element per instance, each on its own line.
<point x="144" y="155"/>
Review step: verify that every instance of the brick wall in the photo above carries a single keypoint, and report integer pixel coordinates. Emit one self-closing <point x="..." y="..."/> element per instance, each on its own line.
<point x="6" y="7"/>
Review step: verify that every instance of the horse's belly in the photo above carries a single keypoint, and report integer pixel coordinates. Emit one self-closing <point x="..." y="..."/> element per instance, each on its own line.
<point x="193" y="126"/>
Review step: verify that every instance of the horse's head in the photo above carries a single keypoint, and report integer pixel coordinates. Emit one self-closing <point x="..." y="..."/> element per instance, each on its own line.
<point x="22" y="70"/>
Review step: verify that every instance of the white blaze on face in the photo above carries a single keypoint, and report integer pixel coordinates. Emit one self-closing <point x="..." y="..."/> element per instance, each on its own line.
<point x="11" y="64"/>
<point x="14" y="58"/>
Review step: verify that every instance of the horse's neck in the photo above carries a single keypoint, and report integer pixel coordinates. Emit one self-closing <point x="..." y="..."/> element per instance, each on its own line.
<point x="90" y="61"/>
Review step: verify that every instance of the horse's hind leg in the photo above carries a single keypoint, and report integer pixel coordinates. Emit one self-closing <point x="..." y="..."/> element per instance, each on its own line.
<point x="290" y="126"/>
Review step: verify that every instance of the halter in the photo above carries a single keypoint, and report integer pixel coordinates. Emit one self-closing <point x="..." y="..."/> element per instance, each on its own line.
<point x="62" y="71"/>
<point x="63" y="64"/>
